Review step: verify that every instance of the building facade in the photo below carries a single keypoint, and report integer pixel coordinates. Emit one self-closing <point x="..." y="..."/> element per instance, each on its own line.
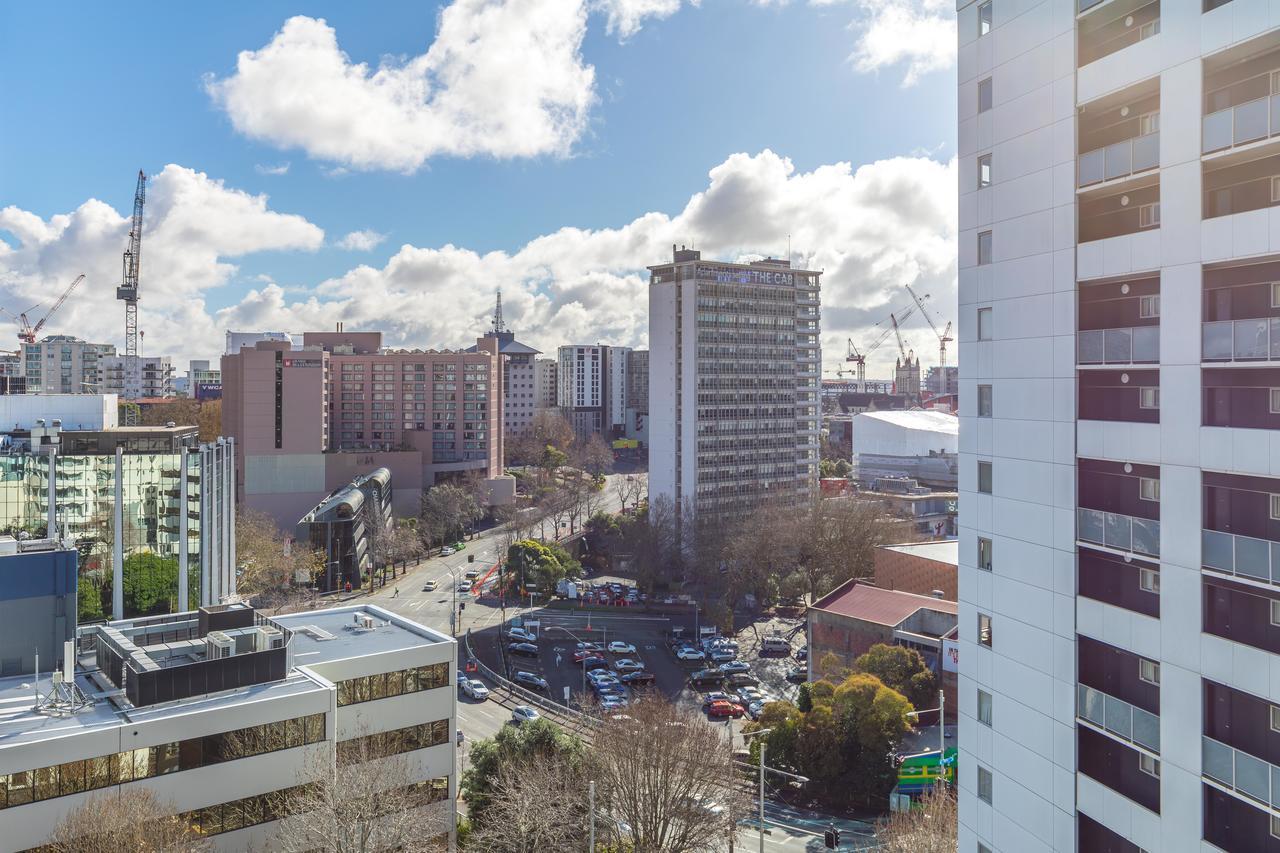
<point x="37" y="602"/>
<point x="592" y="388"/>
<point x="153" y="377"/>
<point x="942" y="380"/>
<point x="545" y="389"/>
<point x="1117" y="273"/>
<point x="906" y="376"/>
<point x="733" y="383"/>
<point x="344" y="527"/>
<point x="62" y="364"/>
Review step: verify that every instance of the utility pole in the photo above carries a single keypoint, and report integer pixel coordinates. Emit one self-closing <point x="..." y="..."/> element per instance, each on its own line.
<point x="763" y="744"/>
<point x="591" y="806"/>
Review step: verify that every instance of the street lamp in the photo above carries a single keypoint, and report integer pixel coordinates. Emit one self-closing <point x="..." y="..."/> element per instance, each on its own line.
<point x="942" y="729"/>
<point x="745" y="736"/>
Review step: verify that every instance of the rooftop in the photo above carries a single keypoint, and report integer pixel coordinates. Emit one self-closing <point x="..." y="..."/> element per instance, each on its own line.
<point x="347" y="640"/>
<point x="942" y="551"/>
<point x="921" y="419"/>
<point x="887" y="607"/>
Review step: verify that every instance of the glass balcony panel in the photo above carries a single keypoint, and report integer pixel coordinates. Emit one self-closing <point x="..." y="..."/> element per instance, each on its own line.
<point x="1085" y="5"/>
<point x="1253" y="557"/>
<point x="1092" y="167"/>
<point x="1275" y="338"/>
<point x="1146" y="152"/>
<point x="1217" y="550"/>
<point x="1146" y="536"/>
<point x="1146" y="729"/>
<point x="1090" y="346"/>
<point x="1253" y="777"/>
<point x="1251" y="121"/>
<point x="1251" y="339"/>
<point x="1216" y="341"/>
<point x="1146" y="343"/>
<point x="1119" y="160"/>
<point x="1092" y="527"/>
<point x="1216" y="761"/>
<point x="1119" y="717"/>
<point x="1093" y="710"/>
<point x="1217" y="131"/>
<point x="1119" y="531"/>
<point x="1119" y="346"/>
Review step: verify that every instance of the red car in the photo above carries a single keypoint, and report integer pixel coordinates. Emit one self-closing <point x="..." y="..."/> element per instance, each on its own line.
<point x="722" y="708"/>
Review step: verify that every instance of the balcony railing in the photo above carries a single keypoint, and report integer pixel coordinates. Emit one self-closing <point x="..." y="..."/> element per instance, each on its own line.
<point x="1119" y="717"/>
<point x="1242" y="556"/>
<point x="1240" y="771"/>
<point x="1123" y="532"/>
<point x="1257" y="339"/>
<point x="1247" y="122"/>
<point x="1137" y="345"/>
<point x="1119" y="160"/>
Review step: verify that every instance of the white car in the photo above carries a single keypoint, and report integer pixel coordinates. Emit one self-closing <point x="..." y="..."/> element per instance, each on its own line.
<point x="476" y="690"/>
<point x="628" y="665"/>
<point x="521" y="635"/>
<point x="523" y="713"/>
<point x="690" y="653"/>
<point x="446" y="552"/>
<point x="618" y="647"/>
<point x="465" y="586"/>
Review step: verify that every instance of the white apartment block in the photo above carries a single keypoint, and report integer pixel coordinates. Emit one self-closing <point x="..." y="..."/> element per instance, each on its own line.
<point x="1119" y="282"/>
<point x="545" y="393"/>
<point x="221" y="711"/>
<point x="62" y="364"/>
<point x="153" y="376"/>
<point x="733" y="383"/>
<point x="592" y="387"/>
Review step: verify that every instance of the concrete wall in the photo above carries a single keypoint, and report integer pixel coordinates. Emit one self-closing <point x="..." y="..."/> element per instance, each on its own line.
<point x="77" y="411"/>
<point x="912" y="573"/>
<point x="37" y="609"/>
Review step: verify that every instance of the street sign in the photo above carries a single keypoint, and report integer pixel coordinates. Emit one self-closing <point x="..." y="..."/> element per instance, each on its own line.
<point x="566" y="694"/>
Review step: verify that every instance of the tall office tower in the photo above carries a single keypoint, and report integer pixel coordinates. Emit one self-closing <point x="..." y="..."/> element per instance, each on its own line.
<point x="1119" y="499"/>
<point x="733" y="383"/>
<point x="592" y="388"/>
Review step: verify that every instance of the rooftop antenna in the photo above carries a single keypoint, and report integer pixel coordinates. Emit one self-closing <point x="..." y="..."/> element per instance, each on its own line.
<point x="497" y="314"/>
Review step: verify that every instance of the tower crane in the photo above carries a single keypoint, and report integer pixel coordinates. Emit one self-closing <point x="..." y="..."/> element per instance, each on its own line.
<point x="901" y="346"/>
<point x="944" y="337"/>
<point x="858" y="359"/>
<point x="128" y="293"/>
<point x="26" y="332"/>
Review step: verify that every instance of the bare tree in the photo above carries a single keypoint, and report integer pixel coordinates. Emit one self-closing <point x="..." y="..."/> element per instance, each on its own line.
<point x="929" y="829"/>
<point x="132" y="819"/>
<point x="269" y="562"/>
<point x="594" y="456"/>
<point x="534" y="805"/>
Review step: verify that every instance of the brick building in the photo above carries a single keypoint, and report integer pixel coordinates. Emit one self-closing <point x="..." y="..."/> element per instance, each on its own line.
<point x="919" y="567"/>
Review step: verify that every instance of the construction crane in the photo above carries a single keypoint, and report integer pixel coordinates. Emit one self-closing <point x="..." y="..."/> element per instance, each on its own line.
<point x="858" y="359"/>
<point x="944" y="337"/>
<point x="26" y="332"/>
<point x="901" y="346"/>
<point x="128" y="293"/>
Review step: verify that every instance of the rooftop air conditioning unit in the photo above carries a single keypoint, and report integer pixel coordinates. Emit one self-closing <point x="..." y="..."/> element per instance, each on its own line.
<point x="218" y="645"/>
<point x="366" y="622"/>
<point x="269" y="637"/>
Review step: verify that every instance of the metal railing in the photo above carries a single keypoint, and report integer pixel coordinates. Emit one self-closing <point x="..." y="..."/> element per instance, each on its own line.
<point x="1257" y="339"/>
<point x="1123" y="532"/>
<point x="1243" y="123"/>
<point x="1241" y="556"/>
<point x="527" y="696"/>
<point x="1117" y="716"/>
<point x="1257" y="779"/>
<point x="1119" y="160"/>
<point x="1136" y="345"/>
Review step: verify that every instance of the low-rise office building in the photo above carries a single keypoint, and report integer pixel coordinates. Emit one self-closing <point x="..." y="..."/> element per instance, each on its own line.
<point x="345" y="525"/>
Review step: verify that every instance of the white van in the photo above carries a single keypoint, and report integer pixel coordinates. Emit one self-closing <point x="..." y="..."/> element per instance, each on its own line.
<point x="775" y="645"/>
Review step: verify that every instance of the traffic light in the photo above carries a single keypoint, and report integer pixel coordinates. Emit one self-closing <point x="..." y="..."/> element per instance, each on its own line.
<point x="462" y="605"/>
<point x="831" y="838"/>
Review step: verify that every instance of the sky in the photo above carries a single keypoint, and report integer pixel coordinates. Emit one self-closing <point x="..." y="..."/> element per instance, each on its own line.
<point x="392" y="164"/>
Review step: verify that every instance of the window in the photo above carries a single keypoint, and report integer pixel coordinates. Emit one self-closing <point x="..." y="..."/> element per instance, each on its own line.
<point x="982" y="848"/>
<point x="984" y="707"/>
<point x="1149" y="214"/>
<point x="1275" y="507"/>
<point x="1149" y="123"/>
<point x="984" y="18"/>
<point x="984" y="247"/>
<point x="984" y="785"/>
<point x="984" y="324"/>
<point x="1149" y="580"/>
<point x="984" y="401"/>
<point x="984" y="171"/>
<point x="1148" y="398"/>
<point x="1275" y="401"/>
<point x="1275" y="826"/>
<point x="1148" y="765"/>
<point x="984" y="630"/>
<point x="984" y="477"/>
<point x="1275" y="294"/>
<point x="1149" y="671"/>
<point x="1275" y="189"/>
<point x="984" y="553"/>
<point x="1275" y="718"/>
<point x="1149" y="488"/>
<point x="1149" y="306"/>
<point x="1149" y="29"/>
<point x="1275" y="612"/>
<point x="984" y="95"/>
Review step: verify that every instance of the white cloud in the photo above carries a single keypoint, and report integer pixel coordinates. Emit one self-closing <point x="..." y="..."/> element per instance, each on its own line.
<point x="624" y="17"/>
<point x="279" y="169"/>
<point x="920" y="34"/>
<point x="503" y="78"/>
<point x="361" y="241"/>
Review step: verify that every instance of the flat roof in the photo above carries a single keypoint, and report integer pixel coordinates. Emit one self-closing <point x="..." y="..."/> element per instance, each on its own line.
<point x="392" y="633"/>
<point x="942" y="551"/>
<point x="886" y="607"/>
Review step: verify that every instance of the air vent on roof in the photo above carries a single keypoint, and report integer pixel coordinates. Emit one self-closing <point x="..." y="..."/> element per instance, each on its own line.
<point x="269" y="637"/>
<point x="365" y="621"/>
<point x="218" y="645"/>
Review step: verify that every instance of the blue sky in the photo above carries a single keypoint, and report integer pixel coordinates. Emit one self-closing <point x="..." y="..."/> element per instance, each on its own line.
<point x="96" y="95"/>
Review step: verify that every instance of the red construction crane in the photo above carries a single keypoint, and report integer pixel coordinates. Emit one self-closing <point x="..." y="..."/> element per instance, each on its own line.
<point x="26" y="332"/>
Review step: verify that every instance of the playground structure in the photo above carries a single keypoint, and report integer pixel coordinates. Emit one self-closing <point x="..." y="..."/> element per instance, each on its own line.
<point x="918" y="773"/>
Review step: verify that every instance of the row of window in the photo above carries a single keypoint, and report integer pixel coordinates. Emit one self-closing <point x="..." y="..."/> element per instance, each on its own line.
<point x="367" y="688"/>
<point x="394" y="742"/>
<point x="74" y="777"/>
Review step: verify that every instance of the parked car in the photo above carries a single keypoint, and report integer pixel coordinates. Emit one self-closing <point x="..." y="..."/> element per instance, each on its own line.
<point x="690" y="653"/>
<point x="707" y="676"/>
<point x="720" y="654"/>
<point x="796" y="675"/>
<point x="724" y="709"/>
<point x="612" y="703"/>
<point x="618" y="647"/>
<point x="741" y="679"/>
<point x="523" y="713"/>
<point x="755" y="709"/>
<point x="714" y="696"/>
<point x="462" y="678"/>
<point x="589" y="647"/>
<point x="802" y="654"/>
<point x="597" y="676"/>
<point x="529" y="679"/>
<point x="775" y="646"/>
<point x="528" y="650"/>
<point x="640" y="677"/>
<point x="595" y="662"/>
<point x="461" y="737"/>
<point x="446" y="551"/>
<point x="476" y="690"/>
<point x="749" y="695"/>
<point x="429" y="586"/>
<point x="735" y="666"/>
<point x="520" y="635"/>
<point x="458" y="546"/>
<point x="628" y="665"/>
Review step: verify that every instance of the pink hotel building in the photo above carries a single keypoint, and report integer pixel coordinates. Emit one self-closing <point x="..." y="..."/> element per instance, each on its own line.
<point x="312" y="418"/>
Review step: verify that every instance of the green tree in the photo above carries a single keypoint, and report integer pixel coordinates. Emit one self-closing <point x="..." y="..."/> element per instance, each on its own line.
<point x="538" y="740"/>
<point x="804" y="698"/>
<point x="901" y="669"/>
<point x="150" y="584"/>
<point x="542" y="565"/>
<point x="447" y="509"/>
<point x="89" y="599"/>
<point x="872" y="720"/>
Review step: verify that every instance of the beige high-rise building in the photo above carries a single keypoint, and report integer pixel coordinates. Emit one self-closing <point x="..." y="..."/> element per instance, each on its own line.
<point x="62" y="364"/>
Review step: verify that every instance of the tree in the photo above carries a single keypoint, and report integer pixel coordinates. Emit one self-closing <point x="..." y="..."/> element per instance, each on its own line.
<point x="834" y="468"/>
<point x="150" y="584"/>
<point x="535" y="804"/>
<point x="534" y="742"/>
<point x="129" y="818"/>
<point x="548" y="427"/>
<point x="631" y="489"/>
<point x="595" y="456"/>
<point x="447" y="510"/>
<point x="541" y="565"/>
<point x="395" y="544"/>
<point x="184" y="411"/>
<point x="267" y="562"/>
<point x="931" y="827"/>
<point x="903" y="670"/>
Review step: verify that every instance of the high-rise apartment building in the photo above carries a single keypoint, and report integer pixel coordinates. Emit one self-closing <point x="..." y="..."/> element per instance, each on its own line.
<point x="592" y="388"/>
<point x="1119" y="499"/>
<point x="942" y="380"/>
<point x="733" y="383"/>
<point x="545" y="393"/>
<point x="152" y="377"/>
<point x="62" y="364"/>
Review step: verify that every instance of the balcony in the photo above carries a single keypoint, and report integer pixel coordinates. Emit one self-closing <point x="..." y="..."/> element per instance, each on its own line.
<point x="1241" y="124"/>
<point x="1135" y="345"/>
<point x="1117" y="213"/>
<point x="1119" y="160"/>
<point x="1118" y="717"/>
<point x="1111" y="29"/>
<point x="1241" y="556"/>
<point x="1240" y="772"/>
<point x="1241" y="340"/>
<point x="1121" y="532"/>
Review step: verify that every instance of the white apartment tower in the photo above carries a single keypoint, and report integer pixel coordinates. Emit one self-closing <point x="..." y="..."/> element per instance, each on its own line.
<point x="1119" y="283"/>
<point x="733" y="383"/>
<point x="592" y="387"/>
